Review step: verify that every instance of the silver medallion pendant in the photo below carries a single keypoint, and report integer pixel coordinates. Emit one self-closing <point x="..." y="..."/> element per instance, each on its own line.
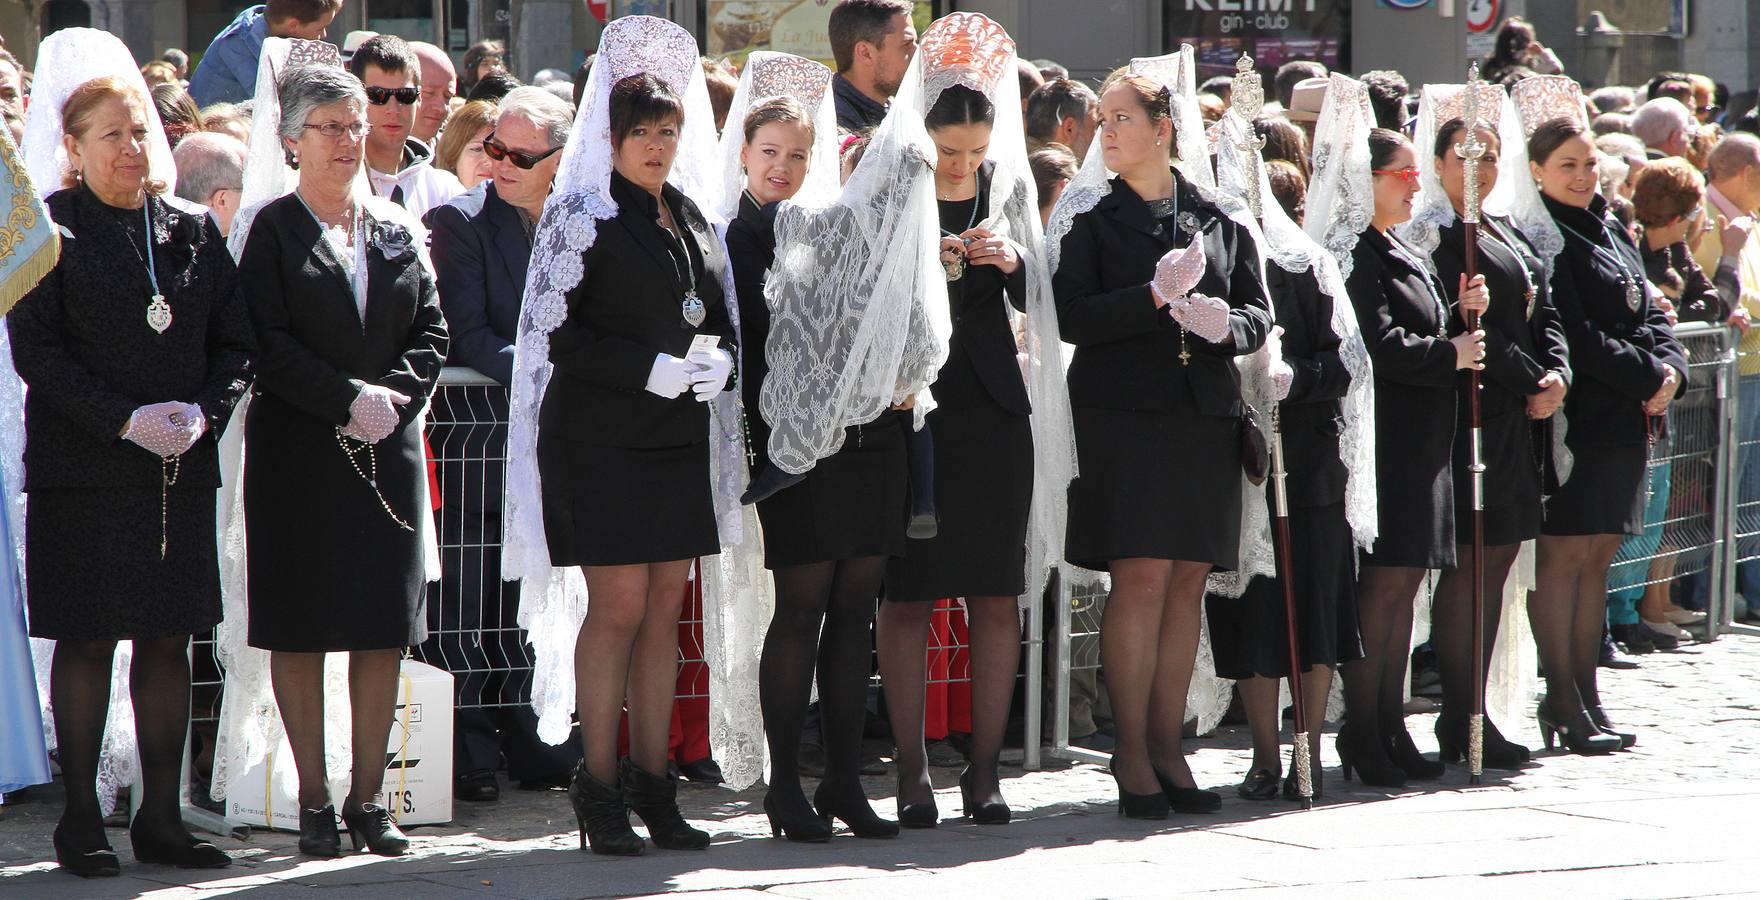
<point x="158" y="314"/>
<point x="1634" y="295"/>
<point x="692" y="308"/>
<point x="955" y="268"/>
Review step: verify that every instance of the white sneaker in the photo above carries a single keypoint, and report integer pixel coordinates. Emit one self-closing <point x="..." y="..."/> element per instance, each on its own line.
<point x="1670" y="629"/>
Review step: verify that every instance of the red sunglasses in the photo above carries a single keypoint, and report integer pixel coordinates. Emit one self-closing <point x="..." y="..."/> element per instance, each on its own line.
<point x="1409" y="173"/>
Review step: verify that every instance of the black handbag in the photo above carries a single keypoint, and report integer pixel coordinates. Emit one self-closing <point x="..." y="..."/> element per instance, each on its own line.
<point x="1255" y="447"/>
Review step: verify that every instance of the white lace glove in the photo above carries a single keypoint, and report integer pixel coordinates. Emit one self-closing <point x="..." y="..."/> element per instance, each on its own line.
<point x="669" y="377"/>
<point x="372" y="417"/>
<point x="162" y="429"/>
<point x="1178" y="272"/>
<point x="194" y="423"/>
<point x="1202" y="315"/>
<point x="713" y="366"/>
<point x="1283" y="375"/>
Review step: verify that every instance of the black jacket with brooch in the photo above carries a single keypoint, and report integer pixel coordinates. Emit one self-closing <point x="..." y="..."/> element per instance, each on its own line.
<point x="1128" y="351"/>
<point x="625" y="311"/>
<point x="81" y="342"/>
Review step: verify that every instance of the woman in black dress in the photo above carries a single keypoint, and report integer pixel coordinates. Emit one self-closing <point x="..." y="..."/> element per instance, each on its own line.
<point x="623" y="454"/>
<point x="1527" y="368"/>
<point x="1157" y="403"/>
<point x="1627" y="368"/>
<point x="135" y="349"/>
<point x="1403" y="314"/>
<point x="983" y="478"/>
<point x="826" y="539"/>
<point x="352" y="343"/>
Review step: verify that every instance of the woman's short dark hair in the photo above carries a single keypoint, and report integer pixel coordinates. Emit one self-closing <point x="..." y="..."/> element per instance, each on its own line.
<point x="1450" y="134"/>
<point x="640" y="99"/>
<point x="1050" y="165"/>
<point x="960" y="105"/>
<point x="776" y="109"/>
<point x="1551" y="135"/>
<point x="1285" y="141"/>
<point x="1383" y="144"/>
<point x="1289" y="186"/>
<point x="1513" y="38"/>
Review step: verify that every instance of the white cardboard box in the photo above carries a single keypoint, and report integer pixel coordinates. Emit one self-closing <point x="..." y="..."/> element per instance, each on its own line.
<point x="418" y="768"/>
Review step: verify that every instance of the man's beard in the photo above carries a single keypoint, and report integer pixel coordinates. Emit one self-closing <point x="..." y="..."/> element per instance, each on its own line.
<point x="889" y="87"/>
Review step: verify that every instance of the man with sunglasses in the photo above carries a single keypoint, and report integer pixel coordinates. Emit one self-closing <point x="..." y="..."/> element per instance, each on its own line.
<point x="482" y="242"/>
<point x="398" y="164"/>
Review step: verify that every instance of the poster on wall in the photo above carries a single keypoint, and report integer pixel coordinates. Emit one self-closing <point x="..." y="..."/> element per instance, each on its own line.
<point x="1272" y="31"/>
<point x="1640" y="16"/>
<point x="737" y="27"/>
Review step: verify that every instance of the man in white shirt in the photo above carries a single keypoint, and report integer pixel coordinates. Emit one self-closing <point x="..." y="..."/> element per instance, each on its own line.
<point x="398" y="164"/>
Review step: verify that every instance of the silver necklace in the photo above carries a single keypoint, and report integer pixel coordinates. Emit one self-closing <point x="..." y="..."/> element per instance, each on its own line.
<point x="691" y="307"/>
<point x="1532" y="294"/>
<point x="158" y="311"/>
<point x="955" y="268"/>
<point x="1633" y="287"/>
<point x="1430" y="284"/>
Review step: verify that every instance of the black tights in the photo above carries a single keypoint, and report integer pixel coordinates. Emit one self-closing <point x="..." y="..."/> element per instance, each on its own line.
<point x="1451" y="625"/>
<point x="823" y="611"/>
<point x="79" y="690"/>
<point x="1374" y="686"/>
<point x="1567" y="611"/>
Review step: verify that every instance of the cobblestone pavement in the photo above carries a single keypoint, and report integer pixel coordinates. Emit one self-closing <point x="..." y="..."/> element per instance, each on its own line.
<point x="1675" y="816"/>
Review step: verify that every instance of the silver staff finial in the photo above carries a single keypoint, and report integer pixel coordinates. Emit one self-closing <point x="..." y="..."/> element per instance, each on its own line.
<point x="1470" y="149"/>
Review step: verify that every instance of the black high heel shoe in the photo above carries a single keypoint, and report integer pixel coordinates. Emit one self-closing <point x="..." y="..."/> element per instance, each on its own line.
<point x="1369" y="760"/>
<point x="370" y="826"/>
<point x="851" y="807"/>
<point x="806" y="828"/>
<point x="919" y="815"/>
<point x="1578" y="734"/>
<point x="654" y="798"/>
<point x="981" y="814"/>
<point x="183" y="850"/>
<point x="1188" y="799"/>
<point x="1138" y="806"/>
<point x="603" y="818"/>
<point x="1403" y="752"/>
<point x="1260" y="784"/>
<point x="1498" y="752"/>
<point x="1293" y="793"/>
<point x="1627" y="739"/>
<point x="317" y="832"/>
<point x="90" y="858"/>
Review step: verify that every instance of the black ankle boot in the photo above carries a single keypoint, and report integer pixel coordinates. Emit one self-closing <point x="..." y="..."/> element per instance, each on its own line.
<point x="1404" y="753"/>
<point x="87" y="855"/>
<point x="317" y="832"/>
<point x="850" y="805"/>
<point x="1360" y="750"/>
<point x="177" y="848"/>
<point x="655" y="799"/>
<point x="370" y="826"/>
<point x="603" y="818"/>
<point x="1498" y="752"/>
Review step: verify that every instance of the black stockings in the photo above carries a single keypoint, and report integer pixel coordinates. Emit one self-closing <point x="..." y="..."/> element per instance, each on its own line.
<point x="79" y="690"/>
<point x="1567" y="611"/>
<point x="1451" y="625"/>
<point x="1374" y="686"/>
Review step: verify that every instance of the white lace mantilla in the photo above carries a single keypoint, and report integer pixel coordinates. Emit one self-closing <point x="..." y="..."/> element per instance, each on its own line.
<point x="1341" y="196"/>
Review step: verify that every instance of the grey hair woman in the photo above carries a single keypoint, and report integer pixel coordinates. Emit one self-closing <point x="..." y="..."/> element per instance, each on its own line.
<point x="333" y="473"/>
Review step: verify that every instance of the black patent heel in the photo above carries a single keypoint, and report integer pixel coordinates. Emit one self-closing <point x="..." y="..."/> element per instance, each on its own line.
<point x="981" y="813"/>
<point x="851" y="807"/>
<point x="803" y="829"/>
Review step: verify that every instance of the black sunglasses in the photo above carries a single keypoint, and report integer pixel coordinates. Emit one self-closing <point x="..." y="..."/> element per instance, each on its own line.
<point x="498" y="151"/>
<point x="379" y="96"/>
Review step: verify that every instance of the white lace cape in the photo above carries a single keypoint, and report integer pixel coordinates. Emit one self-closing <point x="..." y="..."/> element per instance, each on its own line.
<point x="250" y="727"/>
<point x="554" y="601"/>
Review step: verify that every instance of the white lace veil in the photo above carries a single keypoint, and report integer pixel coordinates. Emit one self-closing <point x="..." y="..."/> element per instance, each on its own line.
<point x="267" y="176"/>
<point x="766" y="76"/>
<point x="554" y="601"/>
<point x="1538" y="100"/>
<point x="1341" y="194"/>
<point x="1439" y="105"/>
<point x="67" y="59"/>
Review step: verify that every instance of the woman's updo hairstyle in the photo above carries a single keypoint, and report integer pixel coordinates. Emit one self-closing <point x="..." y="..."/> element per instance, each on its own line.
<point x="1383" y="144"/>
<point x="777" y="109"/>
<point x="1450" y="134"/>
<point x="641" y="99"/>
<point x="1550" y="136"/>
<point x="959" y="105"/>
<point x="83" y="103"/>
<point x="1153" y="96"/>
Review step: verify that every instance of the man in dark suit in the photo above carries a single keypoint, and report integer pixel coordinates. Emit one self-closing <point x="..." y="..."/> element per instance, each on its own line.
<point x="482" y="244"/>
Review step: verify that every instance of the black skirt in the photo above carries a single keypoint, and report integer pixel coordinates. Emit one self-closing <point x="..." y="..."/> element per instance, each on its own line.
<point x="93" y="568"/>
<point x="1415" y="515"/>
<point x="1248" y="636"/>
<point x="1604" y="495"/>
<point x="1512" y="480"/>
<point x="1159" y="484"/>
<point x="621" y="506"/>
<point x="851" y="505"/>
<point x="984" y="495"/>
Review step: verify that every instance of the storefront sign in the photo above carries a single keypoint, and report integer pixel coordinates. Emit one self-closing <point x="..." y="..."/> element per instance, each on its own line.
<point x="1273" y="32"/>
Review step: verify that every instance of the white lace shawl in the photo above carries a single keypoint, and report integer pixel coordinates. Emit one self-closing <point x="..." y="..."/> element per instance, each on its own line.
<point x="554" y="601"/>
<point x="1341" y="194"/>
<point x="765" y="76"/>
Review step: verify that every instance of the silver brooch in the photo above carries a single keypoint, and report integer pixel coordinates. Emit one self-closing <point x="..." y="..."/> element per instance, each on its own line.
<point x="1188" y="222"/>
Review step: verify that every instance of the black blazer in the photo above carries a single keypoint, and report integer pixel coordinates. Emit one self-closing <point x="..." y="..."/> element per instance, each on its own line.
<point x="751" y="250"/>
<point x="1617" y="352"/>
<point x="1310" y="415"/>
<point x="1673" y="269"/>
<point x="1522" y="342"/>
<point x="625" y="311"/>
<point x="1127" y="351"/>
<point x="480" y="251"/>
<point x="80" y="340"/>
<point x="982" y="367"/>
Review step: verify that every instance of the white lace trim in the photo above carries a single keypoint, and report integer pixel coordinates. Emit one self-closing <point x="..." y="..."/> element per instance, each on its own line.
<point x="1341" y="198"/>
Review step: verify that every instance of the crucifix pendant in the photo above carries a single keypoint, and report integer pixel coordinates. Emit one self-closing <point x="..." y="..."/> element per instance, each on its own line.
<point x="158" y="314"/>
<point x="692" y="307"/>
<point x="1185" y="354"/>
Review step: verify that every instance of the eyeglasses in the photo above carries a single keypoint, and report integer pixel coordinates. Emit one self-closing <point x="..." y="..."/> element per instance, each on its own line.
<point x="379" y="96"/>
<point x="498" y="151"/>
<point x="1409" y="173"/>
<point x="335" y="130"/>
